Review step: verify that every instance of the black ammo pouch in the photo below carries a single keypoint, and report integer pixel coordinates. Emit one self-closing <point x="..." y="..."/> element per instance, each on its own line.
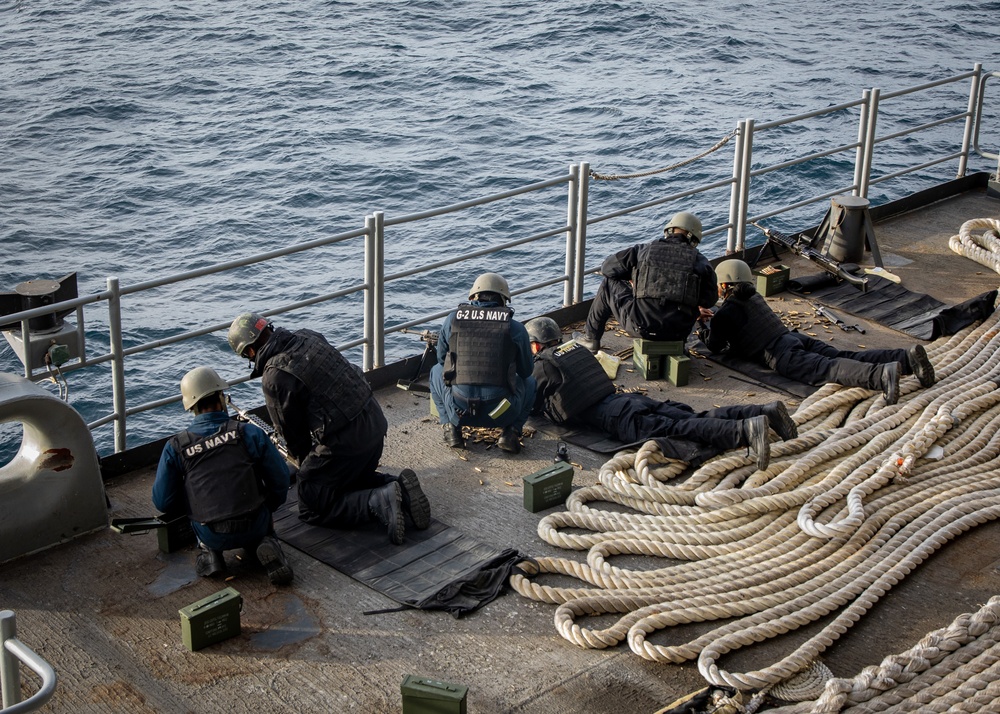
<point x="471" y="407"/>
<point x="448" y="368"/>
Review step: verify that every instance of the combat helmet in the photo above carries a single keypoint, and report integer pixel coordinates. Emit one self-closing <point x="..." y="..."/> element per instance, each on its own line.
<point x="733" y="271"/>
<point x="687" y="222"/>
<point x="490" y="283"/>
<point x="543" y="330"/>
<point x="198" y="384"/>
<point x="245" y="330"/>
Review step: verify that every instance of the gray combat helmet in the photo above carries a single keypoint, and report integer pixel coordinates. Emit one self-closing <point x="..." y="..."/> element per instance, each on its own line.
<point x="686" y="222"/>
<point x="198" y="384"/>
<point x="245" y="330"/>
<point x="490" y="283"/>
<point x="543" y="330"/>
<point x="733" y="271"/>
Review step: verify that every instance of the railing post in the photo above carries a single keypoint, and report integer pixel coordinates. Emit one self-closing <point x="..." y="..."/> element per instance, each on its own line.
<point x="869" y="144"/>
<point x="572" y="210"/>
<point x="970" y="120"/>
<point x="736" y="190"/>
<point x="859" y="153"/>
<point x="581" y="232"/>
<point x="744" y="184"/>
<point x="117" y="362"/>
<point x="371" y="308"/>
<point x="10" y="674"/>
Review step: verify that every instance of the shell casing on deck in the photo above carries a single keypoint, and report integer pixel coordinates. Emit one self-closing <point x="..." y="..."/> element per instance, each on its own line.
<point x="430" y="696"/>
<point x="549" y="487"/>
<point x="211" y="619"/>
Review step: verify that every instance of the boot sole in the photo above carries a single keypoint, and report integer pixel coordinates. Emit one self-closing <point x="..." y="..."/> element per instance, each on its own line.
<point x="279" y="572"/>
<point x="420" y="507"/>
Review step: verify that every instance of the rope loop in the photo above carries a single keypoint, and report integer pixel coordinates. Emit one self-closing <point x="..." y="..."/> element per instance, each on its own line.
<point x="616" y="177"/>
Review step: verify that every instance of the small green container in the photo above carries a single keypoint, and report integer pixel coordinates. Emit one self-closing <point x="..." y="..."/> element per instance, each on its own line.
<point x="650" y="367"/>
<point x="678" y="369"/>
<point x="657" y="347"/>
<point x="175" y="535"/>
<point x="211" y="619"/>
<point x="430" y="696"/>
<point x="773" y="282"/>
<point x="549" y="487"/>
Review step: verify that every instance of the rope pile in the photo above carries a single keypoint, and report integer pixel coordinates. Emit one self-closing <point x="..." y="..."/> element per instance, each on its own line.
<point x="984" y="248"/>
<point x="843" y="513"/>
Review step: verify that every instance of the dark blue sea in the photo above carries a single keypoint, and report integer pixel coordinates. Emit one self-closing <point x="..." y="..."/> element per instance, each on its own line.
<point x="141" y="139"/>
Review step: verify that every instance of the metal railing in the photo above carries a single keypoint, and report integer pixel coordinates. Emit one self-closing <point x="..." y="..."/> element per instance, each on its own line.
<point x="12" y="653"/>
<point x="741" y="183"/>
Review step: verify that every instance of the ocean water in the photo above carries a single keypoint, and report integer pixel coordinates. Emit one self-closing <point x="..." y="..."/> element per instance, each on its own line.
<point x="141" y="139"/>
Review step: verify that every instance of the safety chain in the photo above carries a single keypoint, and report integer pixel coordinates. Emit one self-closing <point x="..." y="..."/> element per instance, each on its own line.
<point x="614" y="177"/>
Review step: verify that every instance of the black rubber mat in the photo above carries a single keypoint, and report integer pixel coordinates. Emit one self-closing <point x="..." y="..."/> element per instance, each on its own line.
<point x="891" y="304"/>
<point x="755" y="373"/>
<point x="435" y="569"/>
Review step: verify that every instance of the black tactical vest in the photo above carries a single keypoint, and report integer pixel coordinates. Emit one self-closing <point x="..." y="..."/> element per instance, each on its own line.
<point x="760" y="329"/>
<point x="665" y="271"/>
<point x="338" y="391"/>
<point x="219" y="476"/>
<point x="482" y="350"/>
<point x="584" y="382"/>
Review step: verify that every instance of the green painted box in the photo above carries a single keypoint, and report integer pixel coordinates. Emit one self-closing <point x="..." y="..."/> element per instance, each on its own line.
<point x="772" y="279"/>
<point x="431" y="696"/>
<point x="176" y="534"/>
<point x="549" y="487"/>
<point x="211" y="619"/>
<point x="650" y="367"/>
<point x="657" y="347"/>
<point x="678" y="369"/>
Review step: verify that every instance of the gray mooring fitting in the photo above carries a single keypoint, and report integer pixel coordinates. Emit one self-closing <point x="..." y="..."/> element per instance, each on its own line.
<point x="846" y="229"/>
<point x="51" y="490"/>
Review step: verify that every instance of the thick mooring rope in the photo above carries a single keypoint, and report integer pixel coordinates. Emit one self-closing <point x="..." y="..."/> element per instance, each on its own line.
<point x="984" y="248"/>
<point x="844" y="512"/>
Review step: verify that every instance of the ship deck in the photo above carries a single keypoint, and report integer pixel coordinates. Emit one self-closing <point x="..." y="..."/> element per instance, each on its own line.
<point x="103" y="609"/>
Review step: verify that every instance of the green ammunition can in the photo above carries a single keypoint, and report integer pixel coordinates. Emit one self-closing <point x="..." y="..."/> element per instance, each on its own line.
<point x="679" y="368"/>
<point x="548" y="487"/>
<point x="649" y="366"/>
<point x="657" y="347"/>
<point x="430" y="696"/>
<point x="175" y="535"/>
<point x="772" y="279"/>
<point x="211" y="619"/>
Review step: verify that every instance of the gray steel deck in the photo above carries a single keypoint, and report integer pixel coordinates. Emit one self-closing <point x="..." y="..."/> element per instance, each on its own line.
<point x="103" y="609"/>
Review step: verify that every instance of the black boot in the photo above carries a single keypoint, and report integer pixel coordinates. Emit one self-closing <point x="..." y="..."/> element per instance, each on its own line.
<point x="920" y="365"/>
<point x="415" y="503"/>
<point x="890" y="382"/>
<point x="779" y="420"/>
<point x="453" y="436"/>
<point x="386" y="506"/>
<point x="591" y="343"/>
<point x="272" y="557"/>
<point x="510" y="440"/>
<point x="210" y="563"/>
<point x="755" y="435"/>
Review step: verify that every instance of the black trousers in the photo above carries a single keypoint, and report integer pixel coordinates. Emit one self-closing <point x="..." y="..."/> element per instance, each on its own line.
<point x="804" y="359"/>
<point x="651" y="319"/>
<point x="334" y="488"/>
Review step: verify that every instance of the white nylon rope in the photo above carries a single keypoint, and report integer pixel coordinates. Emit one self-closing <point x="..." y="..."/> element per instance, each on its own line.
<point x="983" y="248"/>
<point x="843" y="513"/>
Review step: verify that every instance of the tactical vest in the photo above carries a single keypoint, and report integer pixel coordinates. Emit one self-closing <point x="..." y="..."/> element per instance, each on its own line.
<point x="482" y="350"/>
<point x="665" y="271"/>
<point x="337" y="390"/>
<point x="584" y="382"/>
<point x="760" y="329"/>
<point x="219" y="475"/>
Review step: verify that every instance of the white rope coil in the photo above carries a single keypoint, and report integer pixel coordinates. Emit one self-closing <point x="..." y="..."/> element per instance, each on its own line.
<point x="844" y="512"/>
<point x="984" y="248"/>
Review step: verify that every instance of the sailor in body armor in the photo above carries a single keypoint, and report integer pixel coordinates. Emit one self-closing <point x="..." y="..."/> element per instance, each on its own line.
<point x="745" y="326"/>
<point x="334" y="428"/>
<point x="227" y="477"/>
<point x="654" y="290"/>
<point x="483" y="371"/>
<point x="574" y="388"/>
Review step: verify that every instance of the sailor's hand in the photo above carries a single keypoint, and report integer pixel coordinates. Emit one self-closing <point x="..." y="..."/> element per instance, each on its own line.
<point x="704" y="314"/>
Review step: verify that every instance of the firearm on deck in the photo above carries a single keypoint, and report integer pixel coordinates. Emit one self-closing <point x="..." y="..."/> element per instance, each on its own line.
<point x="268" y="429"/>
<point x="430" y="340"/>
<point x="803" y="247"/>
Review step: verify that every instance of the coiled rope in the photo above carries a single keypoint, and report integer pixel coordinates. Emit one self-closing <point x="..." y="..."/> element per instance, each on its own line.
<point x="844" y="512"/>
<point x="984" y="248"/>
<point x="616" y="177"/>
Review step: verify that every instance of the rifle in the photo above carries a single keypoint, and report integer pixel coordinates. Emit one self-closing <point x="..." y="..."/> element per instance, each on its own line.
<point x="273" y="435"/>
<point x="801" y="246"/>
<point x="430" y="340"/>
<point x="829" y="315"/>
